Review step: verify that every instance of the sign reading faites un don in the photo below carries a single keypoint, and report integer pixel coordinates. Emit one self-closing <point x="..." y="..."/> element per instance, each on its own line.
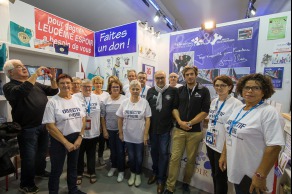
<point x="59" y="31"/>
<point x="118" y="40"/>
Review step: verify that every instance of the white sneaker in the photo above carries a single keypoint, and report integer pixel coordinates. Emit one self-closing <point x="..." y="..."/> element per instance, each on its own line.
<point x="131" y="180"/>
<point x="101" y="161"/>
<point x="111" y="172"/>
<point x="138" y="180"/>
<point x="120" y="177"/>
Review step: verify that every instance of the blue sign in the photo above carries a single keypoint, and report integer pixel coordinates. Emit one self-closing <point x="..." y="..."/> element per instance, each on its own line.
<point x="276" y="74"/>
<point x="118" y="40"/>
<point x="225" y="50"/>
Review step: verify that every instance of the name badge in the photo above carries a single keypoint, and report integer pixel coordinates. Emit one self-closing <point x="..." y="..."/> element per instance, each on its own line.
<point x="211" y="138"/>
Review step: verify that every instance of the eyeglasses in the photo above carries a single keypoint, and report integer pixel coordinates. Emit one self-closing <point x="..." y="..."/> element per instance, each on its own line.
<point x="160" y="78"/>
<point x="172" y="77"/>
<point x="19" y="67"/>
<point x="252" y="88"/>
<point x="115" y="87"/>
<point x="220" y="85"/>
<point x="135" y="89"/>
<point x="87" y="87"/>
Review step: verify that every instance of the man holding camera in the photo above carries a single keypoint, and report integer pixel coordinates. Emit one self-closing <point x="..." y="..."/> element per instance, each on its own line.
<point x="28" y="100"/>
<point x="194" y="105"/>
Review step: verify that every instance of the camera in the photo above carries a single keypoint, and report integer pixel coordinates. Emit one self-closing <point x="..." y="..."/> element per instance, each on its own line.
<point x="47" y="71"/>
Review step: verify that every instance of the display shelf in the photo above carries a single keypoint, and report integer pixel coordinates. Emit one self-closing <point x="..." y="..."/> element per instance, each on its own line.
<point x="41" y="52"/>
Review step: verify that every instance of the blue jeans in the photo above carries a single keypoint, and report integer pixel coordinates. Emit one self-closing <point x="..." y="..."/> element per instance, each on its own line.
<point x="58" y="153"/>
<point x="135" y="154"/>
<point x="160" y="155"/>
<point x="33" y="146"/>
<point x="117" y="148"/>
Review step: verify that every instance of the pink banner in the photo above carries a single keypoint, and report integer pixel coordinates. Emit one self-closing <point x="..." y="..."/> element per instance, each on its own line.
<point x="52" y="28"/>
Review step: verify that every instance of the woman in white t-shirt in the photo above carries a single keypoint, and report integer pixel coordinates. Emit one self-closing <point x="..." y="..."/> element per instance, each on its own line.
<point x="65" y="120"/>
<point x="117" y="147"/>
<point x="133" y="123"/>
<point x="94" y="114"/>
<point x="98" y="85"/>
<point x="220" y="110"/>
<point x="254" y="137"/>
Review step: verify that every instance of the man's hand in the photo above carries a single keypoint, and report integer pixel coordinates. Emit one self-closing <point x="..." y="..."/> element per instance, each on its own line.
<point x="185" y="125"/>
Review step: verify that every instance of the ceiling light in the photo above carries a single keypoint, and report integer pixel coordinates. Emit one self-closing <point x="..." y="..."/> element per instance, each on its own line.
<point x="157" y="16"/>
<point x="210" y="25"/>
<point x="253" y="10"/>
<point x="151" y="30"/>
<point x="157" y="34"/>
<point x="154" y="5"/>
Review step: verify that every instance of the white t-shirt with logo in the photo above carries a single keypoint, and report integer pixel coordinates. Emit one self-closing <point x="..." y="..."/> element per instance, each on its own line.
<point x="66" y="114"/>
<point x="260" y="128"/>
<point x="92" y="129"/>
<point x="134" y="115"/>
<point x="111" y="107"/>
<point x="215" y="135"/>
<point x="143" y="92"/>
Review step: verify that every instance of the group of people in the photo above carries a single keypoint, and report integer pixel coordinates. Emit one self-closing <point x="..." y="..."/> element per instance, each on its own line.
<point x="243" y="141"/>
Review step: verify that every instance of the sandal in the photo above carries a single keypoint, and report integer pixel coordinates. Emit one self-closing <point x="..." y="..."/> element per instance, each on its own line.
<point x="79" y="180"/>
<point x="92" y="178"/>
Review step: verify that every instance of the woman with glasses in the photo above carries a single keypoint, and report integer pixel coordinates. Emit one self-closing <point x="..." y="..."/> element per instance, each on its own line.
<point x="94" y="114"/>
<point x="98" y="85"/>
<point x="133" y="123"/>
<point x="220" y="110"/>
<point x="254" y="136"/>
<point x="65" y="120"/>
<point x="76" y="85"/>
<point x="117" y="148"/>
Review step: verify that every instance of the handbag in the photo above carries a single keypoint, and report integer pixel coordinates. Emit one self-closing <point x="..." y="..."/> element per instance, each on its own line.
<point x="20" y="35"/>
<point x="3" y="55"/>
<point x="62" y="49"/>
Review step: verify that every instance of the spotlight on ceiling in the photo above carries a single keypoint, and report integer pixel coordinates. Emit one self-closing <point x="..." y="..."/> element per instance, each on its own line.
<point x="144" y="25"/>
<point x="157" y="34"/>
<point x="157" y="16"/>
<point x="253" y="10"/>
<point x="151" y="30"/>
<point x="209" y="26"/>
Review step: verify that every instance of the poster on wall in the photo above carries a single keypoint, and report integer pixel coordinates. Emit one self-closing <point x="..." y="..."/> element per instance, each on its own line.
<point x="115" y="41"/>
<point x="149" y="70"/>
<point x="230" y="48"/>
<point x="52" y="28"/>
<point x="282" y="53"/>
<point x="277" y="28"/>
<point x="276" y="74"/>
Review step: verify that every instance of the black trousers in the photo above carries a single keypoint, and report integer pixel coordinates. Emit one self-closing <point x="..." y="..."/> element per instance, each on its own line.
<point x="219" y="177"/>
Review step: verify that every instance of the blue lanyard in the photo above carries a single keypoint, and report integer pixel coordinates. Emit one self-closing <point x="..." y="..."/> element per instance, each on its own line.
<point x="234" y="122"/>
<point x="143" y="91"/>
<point x="218" y="112"/>
<point x="88" y="105"/>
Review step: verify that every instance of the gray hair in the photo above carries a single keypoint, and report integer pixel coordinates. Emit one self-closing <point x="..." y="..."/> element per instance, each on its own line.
<point x="86" y="81"/>
<point x="9" y="66"/>
<point x="131" y="70"/>
<point x="76" y="79"/>
<point x="135" y="83"/>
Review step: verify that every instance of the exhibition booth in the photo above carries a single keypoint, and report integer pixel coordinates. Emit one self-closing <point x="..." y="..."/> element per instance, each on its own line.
<point x="237" y="48"/>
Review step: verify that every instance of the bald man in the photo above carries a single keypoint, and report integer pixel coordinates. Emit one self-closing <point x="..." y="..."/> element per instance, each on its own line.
<point x="173" y="79"/>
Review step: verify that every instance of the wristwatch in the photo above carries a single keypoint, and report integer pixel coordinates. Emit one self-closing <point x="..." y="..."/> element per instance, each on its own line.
<point x="81" y="135"/>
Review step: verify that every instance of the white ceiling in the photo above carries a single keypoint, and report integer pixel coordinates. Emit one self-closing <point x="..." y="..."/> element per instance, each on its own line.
<point x="102" y="14"/>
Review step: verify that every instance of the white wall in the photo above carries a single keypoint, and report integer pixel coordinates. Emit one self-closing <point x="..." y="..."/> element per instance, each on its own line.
<point x="265" y="46"/>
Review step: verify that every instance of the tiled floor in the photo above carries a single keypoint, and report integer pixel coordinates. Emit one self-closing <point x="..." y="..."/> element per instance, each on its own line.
<point x="104" y="184"/>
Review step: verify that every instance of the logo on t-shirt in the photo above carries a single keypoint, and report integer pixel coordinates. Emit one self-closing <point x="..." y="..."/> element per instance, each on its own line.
<point x="73" y="112"/>
<point x="132" y="114"/>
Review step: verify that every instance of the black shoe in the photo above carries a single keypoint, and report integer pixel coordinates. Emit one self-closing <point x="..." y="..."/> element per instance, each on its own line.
<point x="167" y="192"/>
<point x="29" y="190"/>
<point x="46" y="175"/>
<point x="186" y="188"/>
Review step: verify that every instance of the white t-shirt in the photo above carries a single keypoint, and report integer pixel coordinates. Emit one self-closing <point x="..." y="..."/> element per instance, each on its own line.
<point x="134" y="115"/>
<point x="260" y="128"/>
<point x="215" y="135"/>
<point x="103" y="96"/>
<point x="66" y="114"/>
<point x="111" y="107"/>
<point x="143" y="92"/>
<point x="92" y="129"/>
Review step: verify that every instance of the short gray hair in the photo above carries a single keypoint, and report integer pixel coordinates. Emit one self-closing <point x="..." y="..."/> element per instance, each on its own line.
<point x="135" y="83"/>
<point x="86" y="81"/>
<point x="76" y="79"/>
<point x="8" y="65"/>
